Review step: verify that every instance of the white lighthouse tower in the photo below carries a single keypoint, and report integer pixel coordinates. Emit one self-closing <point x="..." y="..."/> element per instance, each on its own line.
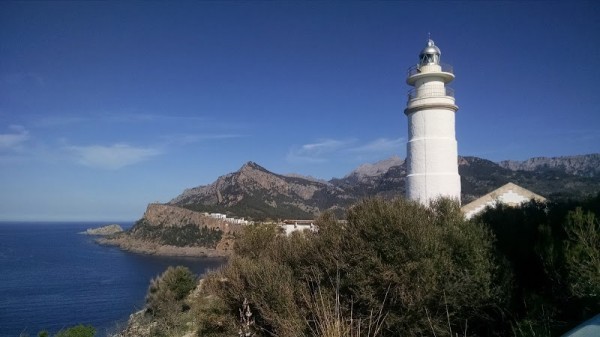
<point x="431" y="149"/>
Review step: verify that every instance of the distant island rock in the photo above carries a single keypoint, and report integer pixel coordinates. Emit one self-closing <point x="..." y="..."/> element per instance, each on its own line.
<point x="104" y="230"/>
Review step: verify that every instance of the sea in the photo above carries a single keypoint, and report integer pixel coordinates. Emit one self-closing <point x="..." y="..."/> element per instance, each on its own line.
<point x="51" y="278"/>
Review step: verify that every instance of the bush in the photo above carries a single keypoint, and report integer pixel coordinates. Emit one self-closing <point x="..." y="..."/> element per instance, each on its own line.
<point x="583" y="254"/>
<point x="169" y="289"/>
<point x="436" y="268"/>
<point x="553" y="252"/>
<point x="214" y="318"/>
<point x="426" y="270"/>
<point x="78" y="331"/>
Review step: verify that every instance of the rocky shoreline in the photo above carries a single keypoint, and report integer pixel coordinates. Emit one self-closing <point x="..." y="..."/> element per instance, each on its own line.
<point x="151" y="248"/>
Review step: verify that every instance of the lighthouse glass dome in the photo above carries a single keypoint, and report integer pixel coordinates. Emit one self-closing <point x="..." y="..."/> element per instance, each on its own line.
<point x="430" y="54"/>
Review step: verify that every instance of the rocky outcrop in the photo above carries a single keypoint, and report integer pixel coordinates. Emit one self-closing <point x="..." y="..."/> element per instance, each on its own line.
<point x="174" y="231"/>
<point x="104" y="230"/>
<point x="584" y="165"/>
<point x="173" y="216"/>
<point x="366" y="172"/>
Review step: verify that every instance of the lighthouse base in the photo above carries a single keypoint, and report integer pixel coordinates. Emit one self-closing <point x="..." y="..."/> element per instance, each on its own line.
<point x="430" y="186"/>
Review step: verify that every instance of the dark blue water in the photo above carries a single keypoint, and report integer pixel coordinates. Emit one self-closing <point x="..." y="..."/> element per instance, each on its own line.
<point x="51" y="278"/>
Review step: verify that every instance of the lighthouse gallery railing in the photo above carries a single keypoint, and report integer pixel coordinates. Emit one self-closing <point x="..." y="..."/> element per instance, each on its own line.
<point x="446" y="68"/>
<point x="433" y="92"/>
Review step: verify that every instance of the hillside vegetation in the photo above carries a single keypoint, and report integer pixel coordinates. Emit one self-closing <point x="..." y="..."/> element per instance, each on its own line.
<point x="180" y="236"/>
<point x="396" y="268"/>
<point x="392" y="267"/>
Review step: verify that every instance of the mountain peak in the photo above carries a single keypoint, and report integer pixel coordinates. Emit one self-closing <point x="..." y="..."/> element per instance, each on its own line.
<point x="375" y="169"/>
<point x="251" y="166"/>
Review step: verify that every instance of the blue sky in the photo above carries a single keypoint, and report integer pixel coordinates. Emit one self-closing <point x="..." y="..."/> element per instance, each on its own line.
<point x="108" y="106"/>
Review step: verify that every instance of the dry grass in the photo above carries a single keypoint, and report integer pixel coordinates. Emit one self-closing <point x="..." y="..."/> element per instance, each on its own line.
<point x="329" y="320"/>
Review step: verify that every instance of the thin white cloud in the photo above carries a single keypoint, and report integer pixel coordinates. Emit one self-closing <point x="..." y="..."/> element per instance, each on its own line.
<point x="317" y="152"/>
<point x="81" y="118"/>
<point x="111" y="157"/>
<point x="185" y="139"/>
<point x="380" y="145"/>
<point x="14" y="139"/>
<point x="333" y="149"/>
<point x="322" y="147"/>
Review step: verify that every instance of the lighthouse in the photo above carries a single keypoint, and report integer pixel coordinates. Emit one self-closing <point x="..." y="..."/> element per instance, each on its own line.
<point x="431" y="150"/>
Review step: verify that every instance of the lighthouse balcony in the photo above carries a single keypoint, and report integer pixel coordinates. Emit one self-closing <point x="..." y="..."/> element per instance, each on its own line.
<point x="418" y="69"/>
<point x="430" y="93"/>
<point x="430" y="98"/>
<point x="442" y="70"/>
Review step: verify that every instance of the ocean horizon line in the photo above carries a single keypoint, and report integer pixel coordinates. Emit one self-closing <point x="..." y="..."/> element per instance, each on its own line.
<point x="66" y="222"/>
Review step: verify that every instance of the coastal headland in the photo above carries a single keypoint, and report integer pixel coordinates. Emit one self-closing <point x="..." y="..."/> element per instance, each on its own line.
<point x="168" y="230"/>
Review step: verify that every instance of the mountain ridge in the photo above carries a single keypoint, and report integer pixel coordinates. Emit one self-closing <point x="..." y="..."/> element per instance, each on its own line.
<point x="584" y="165"/>
<point x="255" y="192"/>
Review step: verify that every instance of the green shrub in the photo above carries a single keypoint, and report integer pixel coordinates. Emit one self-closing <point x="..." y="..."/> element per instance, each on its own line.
<point x="78" y="331"/>
<point x="583" y="254"/>
<point x="270" y="289"/>
<point x="427" y="270"/>
<point x="256" y="240"/>
<point x="214" y="318"/>
<point x="180" y="236"/>
<point x="553" y="252"/>
<point x="428" y="265"/>
<point x="166" y="301"/>
<point x="169" y="290"/>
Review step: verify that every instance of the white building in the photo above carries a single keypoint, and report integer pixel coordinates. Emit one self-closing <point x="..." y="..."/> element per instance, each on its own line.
<point x="509" y="194"/>
<point x="218" y="216"/>
<point x="431" y="149"/>
<point x="290" y="226"/>
<point x="223" y="217"/>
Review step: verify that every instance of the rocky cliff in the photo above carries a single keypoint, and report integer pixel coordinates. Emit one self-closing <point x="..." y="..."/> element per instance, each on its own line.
<point x="175" y="231"/>
<point x="161" y="215"/>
